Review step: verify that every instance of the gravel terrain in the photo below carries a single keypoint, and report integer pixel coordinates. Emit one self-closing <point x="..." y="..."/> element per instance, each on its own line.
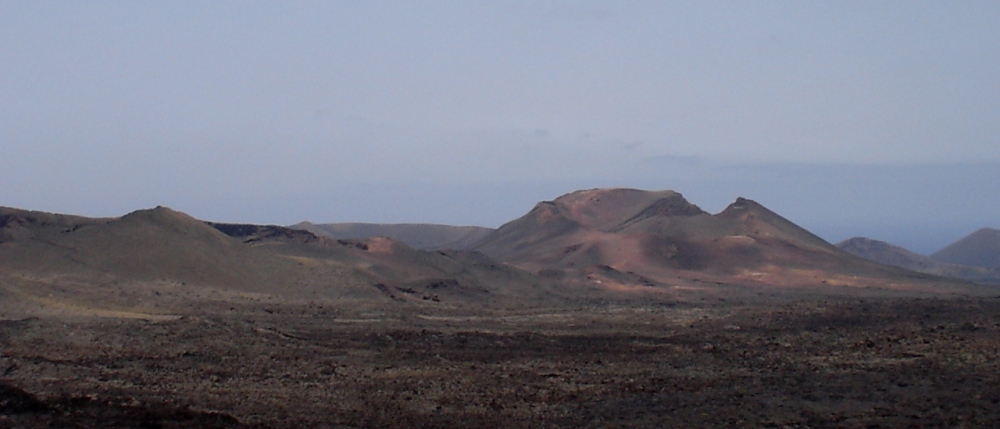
<point x="851" y="363"/>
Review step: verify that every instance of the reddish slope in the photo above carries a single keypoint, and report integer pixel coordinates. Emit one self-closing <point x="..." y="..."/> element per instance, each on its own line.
<point x="618" y="226"/>
<point x="628" y="237"/>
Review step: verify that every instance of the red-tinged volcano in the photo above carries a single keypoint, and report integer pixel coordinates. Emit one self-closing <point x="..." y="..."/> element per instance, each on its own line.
<point x="627" y="237"/>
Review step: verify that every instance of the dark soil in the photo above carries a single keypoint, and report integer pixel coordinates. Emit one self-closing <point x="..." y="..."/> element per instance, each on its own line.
<point x="21" y="409"/>
<point x="850" y="364"/>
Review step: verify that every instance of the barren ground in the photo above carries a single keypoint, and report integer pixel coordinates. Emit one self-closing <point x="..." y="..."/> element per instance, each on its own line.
<point x="874" y="362"/>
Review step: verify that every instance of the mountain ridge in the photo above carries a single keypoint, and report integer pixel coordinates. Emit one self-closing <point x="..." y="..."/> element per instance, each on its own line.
<point x="172" y="262"/>
<point x="602" y="236"/>
<point x="599" y="246"/>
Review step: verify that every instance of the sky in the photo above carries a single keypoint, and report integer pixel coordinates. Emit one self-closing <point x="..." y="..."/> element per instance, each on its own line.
<point x="879" y="119"/>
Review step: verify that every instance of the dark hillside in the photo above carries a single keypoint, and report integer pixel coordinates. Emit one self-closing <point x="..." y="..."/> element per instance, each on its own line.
<point x="979" y="249"/>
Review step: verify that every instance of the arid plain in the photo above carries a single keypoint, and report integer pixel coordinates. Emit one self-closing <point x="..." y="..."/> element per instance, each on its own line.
<point x="601" y="308"/>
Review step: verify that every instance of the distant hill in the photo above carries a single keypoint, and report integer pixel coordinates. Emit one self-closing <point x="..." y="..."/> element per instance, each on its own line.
<point x="151" y="244"/>
<point x="629" y="237"/>
<point x="591" y="247"/>
<point x="885" y="253"/>
<point x="418" y="236"/>
<point x="85" y="265"/>
<point x="979" y="249"/>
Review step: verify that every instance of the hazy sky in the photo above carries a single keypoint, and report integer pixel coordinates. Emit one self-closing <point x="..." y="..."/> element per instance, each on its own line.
<point x="849" y="118"/>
